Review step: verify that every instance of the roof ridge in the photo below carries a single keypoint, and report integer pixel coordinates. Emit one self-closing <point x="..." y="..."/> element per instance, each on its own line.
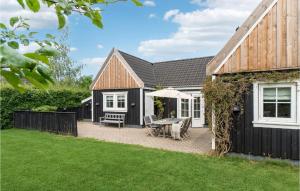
<point x="184" y="59"/>
<point x="135" y="56"/>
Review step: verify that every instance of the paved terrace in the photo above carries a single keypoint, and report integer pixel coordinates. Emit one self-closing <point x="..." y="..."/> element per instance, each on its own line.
<point x="199" y="142"/>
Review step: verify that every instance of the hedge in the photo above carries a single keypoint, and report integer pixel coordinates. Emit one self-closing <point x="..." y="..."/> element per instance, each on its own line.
<point x="12" y="100"/>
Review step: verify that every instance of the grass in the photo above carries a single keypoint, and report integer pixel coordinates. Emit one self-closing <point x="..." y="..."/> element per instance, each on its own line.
<point x="32" y="160"/>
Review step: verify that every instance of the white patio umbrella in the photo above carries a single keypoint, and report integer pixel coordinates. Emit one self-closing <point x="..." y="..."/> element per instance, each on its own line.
<point x="169" y="93"/>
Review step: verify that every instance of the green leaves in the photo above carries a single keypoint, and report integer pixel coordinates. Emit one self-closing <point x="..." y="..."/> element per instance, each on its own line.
<point x="47" y="51"/>
<point x="13" y="44"/>
<point x="61" y="18"/>
<point x="50" y="36"/>
<point x="21" y="2"/>
<point x="31" y="66"/>
<point x="33" y="5"/>
<point x="13" y="21"/>
<point x="2" y="26"/>
<point x="137" y="3"/>
<point x="96" y="18"/>
<point x="38" y="57"/>
<point x="12" y="79"/>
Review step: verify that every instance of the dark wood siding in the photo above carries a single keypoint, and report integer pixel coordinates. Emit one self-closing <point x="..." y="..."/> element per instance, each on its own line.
<point x="86" y="109"/>
<point x="273" y="142"/>
<point x="132" y="116"/>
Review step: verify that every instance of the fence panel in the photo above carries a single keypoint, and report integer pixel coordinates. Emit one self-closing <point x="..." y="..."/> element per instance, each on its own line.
<point x="55" y="122"/>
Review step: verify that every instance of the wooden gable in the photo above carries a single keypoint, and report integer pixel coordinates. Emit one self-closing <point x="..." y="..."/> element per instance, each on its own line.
<point x="271" y="43"/>
<point x="115" y="75"/>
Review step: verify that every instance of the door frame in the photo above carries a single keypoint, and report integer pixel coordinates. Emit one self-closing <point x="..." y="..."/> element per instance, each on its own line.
<point x="191" y="108"/>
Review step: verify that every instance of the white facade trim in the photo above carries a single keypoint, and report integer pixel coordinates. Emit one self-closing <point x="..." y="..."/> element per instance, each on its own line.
<point x="213" y="121"/>
<point x="115" y="101"/>
<point x="92" y="106"/>
<point x="141" y="106"/>
<point x="86" y="99"/>
<point x="245" y="36"/>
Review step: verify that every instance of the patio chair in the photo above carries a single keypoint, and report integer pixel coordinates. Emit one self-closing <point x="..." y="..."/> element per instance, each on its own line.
<point x="185" y="126"/>
<point x="153" y="130"/>
<point x="153" y="118"/>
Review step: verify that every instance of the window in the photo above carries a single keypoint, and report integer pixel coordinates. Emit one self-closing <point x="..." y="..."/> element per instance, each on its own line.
<point x="277" y="102"/>
<point x="115" y="101"/>
<point x="275" y="105"/>
<point x="109" y="101"/>
<point x="121" y="101"/>
<point x="197" y="107"/>
<point x="184" y="108"/>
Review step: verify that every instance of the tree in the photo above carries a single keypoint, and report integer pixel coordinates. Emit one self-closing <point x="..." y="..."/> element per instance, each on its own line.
<point x="85" y="82"/>
<point x="14" y="66"/>
<point x="62" y="67"/>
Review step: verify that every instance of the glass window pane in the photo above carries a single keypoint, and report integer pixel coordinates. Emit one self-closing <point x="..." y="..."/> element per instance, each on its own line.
<point x="184" y="108"/>
<point x="197" y="103"/>
<point x="269" y="94"/>
<point x="109" y="101"/>
<point x="196" y="107"/>
<point x="197" y="114"/>
<point x="269" y="109"/>
<point x="284" y="94"/>
<point x="121" y="101"/>
<point x="284" y="110"/>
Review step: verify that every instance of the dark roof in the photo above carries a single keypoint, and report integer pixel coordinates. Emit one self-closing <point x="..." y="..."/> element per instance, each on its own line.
<point x="187" y="72"/>
<point x="142" y="68"/>
<point x="183" y="73"/>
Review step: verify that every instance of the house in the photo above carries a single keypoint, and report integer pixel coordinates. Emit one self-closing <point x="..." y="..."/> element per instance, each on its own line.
<point x="123" y="80"/>
<point x="269" y="40"/>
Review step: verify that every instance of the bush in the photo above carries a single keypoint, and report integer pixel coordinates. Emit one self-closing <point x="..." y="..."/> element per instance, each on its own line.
<point x="11" y="100"/>
<point x="45" y="108"/>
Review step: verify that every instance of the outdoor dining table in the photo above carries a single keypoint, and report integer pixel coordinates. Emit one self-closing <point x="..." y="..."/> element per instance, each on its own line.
<point x="166" y="123"/>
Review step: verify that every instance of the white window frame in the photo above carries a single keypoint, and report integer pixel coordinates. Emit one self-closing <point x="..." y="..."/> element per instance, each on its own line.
<point x="276" y="122"/>
<point x="115" y="101"/>
<point x="179" y="108"/>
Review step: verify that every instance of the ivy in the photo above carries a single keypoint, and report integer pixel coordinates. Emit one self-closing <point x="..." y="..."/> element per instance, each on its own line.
<point x="226" y="92"/>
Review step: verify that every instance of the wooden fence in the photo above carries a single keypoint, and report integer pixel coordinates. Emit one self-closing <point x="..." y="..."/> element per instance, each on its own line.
<point x="55" y="122"/>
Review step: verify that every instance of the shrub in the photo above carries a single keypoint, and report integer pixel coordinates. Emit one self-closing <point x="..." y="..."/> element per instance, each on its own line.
<point x="12" y="100"/>
<point x="45" y="108"/>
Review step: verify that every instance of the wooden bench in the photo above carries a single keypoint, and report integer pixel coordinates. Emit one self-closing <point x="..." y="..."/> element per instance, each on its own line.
<point x="113" y="118"/>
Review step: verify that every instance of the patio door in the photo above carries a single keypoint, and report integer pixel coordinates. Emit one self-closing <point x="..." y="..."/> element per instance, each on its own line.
<point x="192" y="108"/>
<point x="197" y="111"/>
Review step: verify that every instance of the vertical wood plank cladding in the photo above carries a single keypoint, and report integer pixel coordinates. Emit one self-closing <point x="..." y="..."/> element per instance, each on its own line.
<point x="115" y="76"/>
<point x="281" y="34"/>
<point x="238" y="59"/>
<point x="253" y="49"/>
<point x="292" y="47"/>
<point x="298" y="30"/>
<point x="244" y="55"/>
<point x="264" y="44"/>
<point x="271" y="39"/>
<point x="273" y="44"/>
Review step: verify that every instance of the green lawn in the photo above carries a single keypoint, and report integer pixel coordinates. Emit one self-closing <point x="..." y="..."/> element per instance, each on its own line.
<point x="31" y="160"/>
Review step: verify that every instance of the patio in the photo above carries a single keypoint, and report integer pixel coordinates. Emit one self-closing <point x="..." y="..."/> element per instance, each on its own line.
<point x="198" y="142"/>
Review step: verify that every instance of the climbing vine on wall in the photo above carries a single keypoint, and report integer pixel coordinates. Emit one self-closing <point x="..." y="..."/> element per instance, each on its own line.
<point x="158" y="102"/>
<point x="226" y="92"/>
